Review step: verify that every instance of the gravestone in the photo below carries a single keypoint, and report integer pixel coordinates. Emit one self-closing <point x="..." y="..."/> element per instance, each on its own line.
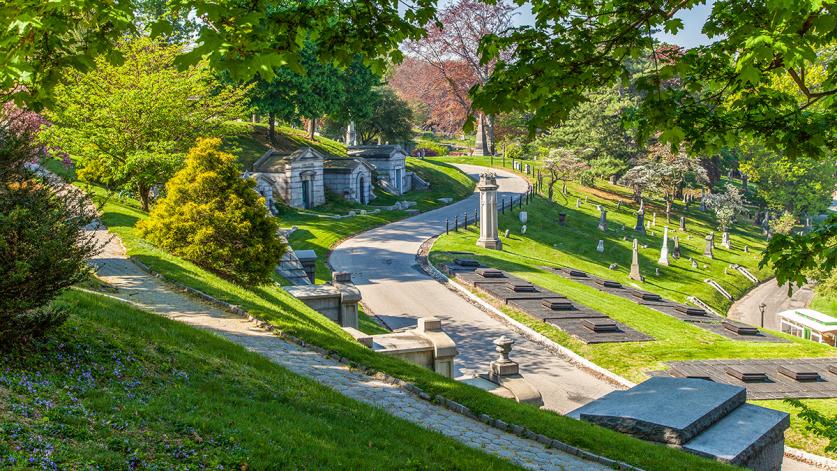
<point x="618" y="205"/>
<point x="664" y="251"/>
<point x="657" y="271"/>
<point x="635" y="275"/>
<point x="600" y="247"/>
<point x="707" y="251"/>
<point x="507" y="233"/>
<point x="746" y="249"/>
<point x="613" y="266"/>
<point x="640" y="220"/>
<point x="694" y="264"/>
<point x="585" y="198"/>
<point x="577" y="203"/>
<point x="488" y="212"/>
<point x="602" y="219"/>
<point x="523" y="229"/>
<point x="683" y="223"/>
<point x="523" y="216"/>
<point x="725" y="240"/>
<point x="654" y="219"/>
<point x="675" y="254"/>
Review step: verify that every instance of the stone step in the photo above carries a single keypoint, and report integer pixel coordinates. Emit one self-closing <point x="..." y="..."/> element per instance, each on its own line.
<point x="749" y="436"/>
<point x="667" y="410"/>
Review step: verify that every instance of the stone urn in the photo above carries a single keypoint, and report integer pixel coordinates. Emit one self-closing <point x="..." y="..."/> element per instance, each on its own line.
<point x="524" y="217"/>
<point x="562" y="218"/>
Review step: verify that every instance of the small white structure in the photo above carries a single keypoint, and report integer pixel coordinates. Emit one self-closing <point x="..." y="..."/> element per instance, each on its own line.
<point x="664" y="251"/>
<point x="809" y="324"/>
<point x="390" y="161"/>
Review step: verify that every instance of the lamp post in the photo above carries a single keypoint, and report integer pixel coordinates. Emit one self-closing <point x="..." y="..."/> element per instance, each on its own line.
<point x="762" y="307"/>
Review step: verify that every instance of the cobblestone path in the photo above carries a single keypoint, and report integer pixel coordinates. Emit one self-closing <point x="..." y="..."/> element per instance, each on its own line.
<point x="135" y="285"/>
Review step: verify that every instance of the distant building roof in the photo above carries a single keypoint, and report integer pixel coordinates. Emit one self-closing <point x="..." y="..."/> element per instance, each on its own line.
<point x="377" y="152"/>
<point x="812" y="319"/>
<point x="274" y="161"/>
<point x="344" y="164"/>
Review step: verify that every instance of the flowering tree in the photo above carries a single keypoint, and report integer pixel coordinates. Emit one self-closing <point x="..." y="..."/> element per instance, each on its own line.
<point x="452" y="48"/>
<point x="563" y="165"/>
<point x="673" y="171"/>
<point x="725" y="206"/>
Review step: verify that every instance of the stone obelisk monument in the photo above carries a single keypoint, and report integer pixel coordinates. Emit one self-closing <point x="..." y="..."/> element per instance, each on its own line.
<point x="635" y="275"/>
<point x="664" y="251"/>
<point x="488" y="212"/>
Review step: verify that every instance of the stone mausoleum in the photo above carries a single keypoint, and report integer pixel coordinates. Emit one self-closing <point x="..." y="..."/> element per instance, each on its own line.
<point x="390" y="161"/>
<point x="296" y="178"/>
<point x="350" y="178"/>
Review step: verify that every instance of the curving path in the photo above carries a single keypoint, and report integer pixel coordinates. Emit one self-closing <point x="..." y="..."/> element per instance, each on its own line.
<point x="776" y="300"/>
<point x="383" y="266"/>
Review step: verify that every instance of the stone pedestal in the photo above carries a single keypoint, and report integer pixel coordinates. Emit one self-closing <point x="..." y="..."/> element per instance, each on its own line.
<point x="664" y="251"/>
<point x="505" y="372"/>
<point x="480" y="143"/>
<point x="635" y="275"/>
<point x="427" y="345"/>
<point x="489" y="237"/>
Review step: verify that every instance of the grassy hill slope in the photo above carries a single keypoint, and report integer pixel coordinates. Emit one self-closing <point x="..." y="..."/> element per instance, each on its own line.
<point x="119" y="388"/>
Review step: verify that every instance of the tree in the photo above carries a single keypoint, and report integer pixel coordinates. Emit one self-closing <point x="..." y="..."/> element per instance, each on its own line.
<point x="799" y="185"/>
<point x="321" y="89"/>
<point x="725" y="90"/>
<point x="596" y="125"/>
<point x="215" y="218"/>
<point x="452" y="48"/>
<point x="672" y="171"/>
<point x="563" y="165"/>
<point x="45" y="40"/>
<point x="818" y="423"/>
<point x="391" y="119"/>
<point x="44" y="247"/>
<point x="725" y="206"/>
<point x="129" y="125"/>
<point x="783" y="224"/>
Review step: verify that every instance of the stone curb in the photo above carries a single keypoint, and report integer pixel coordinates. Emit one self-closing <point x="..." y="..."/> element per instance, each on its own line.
<point x="810" y="458"/>
<point x="440" y="400"/>
<point x="521" y="328"/>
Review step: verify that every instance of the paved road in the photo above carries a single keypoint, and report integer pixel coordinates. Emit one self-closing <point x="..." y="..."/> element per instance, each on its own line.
<point x="383" y="266"/>
<point x="776" y="299"/>
<point x="136" y="286"/>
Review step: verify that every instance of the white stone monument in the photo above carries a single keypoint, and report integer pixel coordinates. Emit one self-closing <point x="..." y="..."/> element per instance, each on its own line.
<point x="664" y="251"/>
<point x="635" y="275"/>
<point x="489" y="238"/>
<point x="600" y="247"/>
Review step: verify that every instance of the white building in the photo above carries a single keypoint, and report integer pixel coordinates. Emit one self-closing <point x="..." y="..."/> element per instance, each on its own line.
<point x="809" y="324"/>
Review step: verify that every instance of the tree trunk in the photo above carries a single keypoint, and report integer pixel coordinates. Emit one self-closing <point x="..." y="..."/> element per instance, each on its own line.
<point x="668" y="210"/>
<point x="271" y="128"/>
<point x="489" y="134"/>
<point x="312" y="128"/>
<point x="564" y="188"/>
<point x="144" y="196"/>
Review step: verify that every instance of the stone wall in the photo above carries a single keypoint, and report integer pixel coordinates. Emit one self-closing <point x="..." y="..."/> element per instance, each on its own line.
<point x="387" y="170"/>
<point x="347" y="184"/>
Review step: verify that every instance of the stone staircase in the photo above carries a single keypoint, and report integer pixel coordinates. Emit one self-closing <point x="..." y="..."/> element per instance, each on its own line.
<point x="746" y="273"/>
<point x="290" y="267"/>
<point x="719" y="288"/>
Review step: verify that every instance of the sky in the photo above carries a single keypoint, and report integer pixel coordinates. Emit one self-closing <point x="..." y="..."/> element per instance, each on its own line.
<point x="689" y="36"/>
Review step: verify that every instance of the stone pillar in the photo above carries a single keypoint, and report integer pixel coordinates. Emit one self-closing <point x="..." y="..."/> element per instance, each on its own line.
<point x="664" y="251"/>
<point x="676" y="252"/>
<point x="635" y="275"/>
<point x="683" y="223"/>
<point x="602" y="219"/>
<point x="349" y="298"/>
<point x="707" y="251"/>
<point x="489" y="238"/>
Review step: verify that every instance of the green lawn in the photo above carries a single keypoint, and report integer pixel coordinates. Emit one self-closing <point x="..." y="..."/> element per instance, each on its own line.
<point x="548" y="244"/>
<point x="825" y="304"/>
<point x="274" y="305"/>
<point x="119" y="388"/>
<point x="796" y="436"/>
